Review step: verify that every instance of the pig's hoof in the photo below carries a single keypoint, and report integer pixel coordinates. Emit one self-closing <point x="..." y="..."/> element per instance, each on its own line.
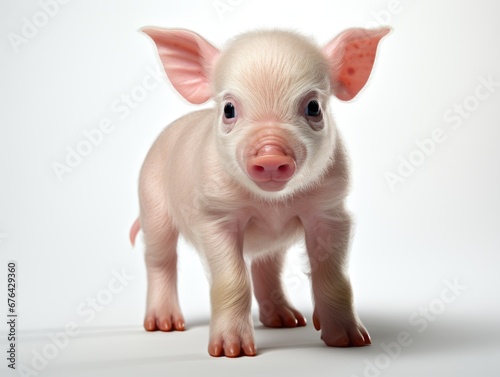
<point x="234" y="341"/>
<point x="171" y="322"/>
<point x="336" y="333"/>
<point x="282" y="316"/>
<point x="219" y="347"/>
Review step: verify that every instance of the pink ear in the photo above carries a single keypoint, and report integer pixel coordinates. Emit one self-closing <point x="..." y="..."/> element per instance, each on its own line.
<point x="188" y="60"/>
<point x="351" y="55"/>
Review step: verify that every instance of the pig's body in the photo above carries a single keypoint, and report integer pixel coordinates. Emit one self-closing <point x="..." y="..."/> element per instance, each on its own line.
<point x="262" y="170"/>
<point x="183" y="175"/>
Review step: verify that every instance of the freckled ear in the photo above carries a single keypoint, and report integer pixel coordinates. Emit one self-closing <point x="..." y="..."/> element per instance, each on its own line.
<point x="351" y="55"/>
<point x="188" y="60"/>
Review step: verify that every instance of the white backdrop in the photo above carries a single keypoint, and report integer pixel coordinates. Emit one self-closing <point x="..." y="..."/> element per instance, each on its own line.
<point x="423" y="139"/>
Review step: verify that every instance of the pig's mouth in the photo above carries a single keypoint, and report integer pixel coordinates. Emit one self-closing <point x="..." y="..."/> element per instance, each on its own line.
<point x="271" y="185"/>
<point x="271" y="168"/>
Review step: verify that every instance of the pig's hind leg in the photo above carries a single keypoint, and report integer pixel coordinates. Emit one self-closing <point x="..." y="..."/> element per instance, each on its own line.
<point x="163" y="312"/>
<point x="275" y="309"/>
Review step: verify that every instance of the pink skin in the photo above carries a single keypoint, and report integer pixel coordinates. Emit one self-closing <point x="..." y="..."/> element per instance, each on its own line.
<point x="251" y="179"/>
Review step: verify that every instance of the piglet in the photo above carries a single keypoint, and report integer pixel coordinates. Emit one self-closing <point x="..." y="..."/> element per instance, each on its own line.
<point x="262" y="169"/>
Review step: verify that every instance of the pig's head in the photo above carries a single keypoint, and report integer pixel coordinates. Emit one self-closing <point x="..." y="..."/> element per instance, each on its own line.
<point x="273" y="128"/>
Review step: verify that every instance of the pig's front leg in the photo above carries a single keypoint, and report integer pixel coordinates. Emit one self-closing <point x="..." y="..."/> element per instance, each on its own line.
<point x="327" y="242"/>
<point x="231" y="328"/>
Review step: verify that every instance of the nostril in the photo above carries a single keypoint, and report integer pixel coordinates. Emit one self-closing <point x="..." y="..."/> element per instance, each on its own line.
<point x="258" y="168"/>
<point x="283" y="168"/>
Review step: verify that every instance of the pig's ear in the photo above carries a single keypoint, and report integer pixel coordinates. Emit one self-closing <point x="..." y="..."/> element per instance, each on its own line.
<point x="188" y="60"/>
<point x="351" y="55"/>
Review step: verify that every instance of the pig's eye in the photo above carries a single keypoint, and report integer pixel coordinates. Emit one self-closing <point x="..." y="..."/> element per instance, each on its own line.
<point x="229" y="111"/>
<point x="313" y="109"/>
<point x="313" y="114"/>
<point x="230" y="115"/>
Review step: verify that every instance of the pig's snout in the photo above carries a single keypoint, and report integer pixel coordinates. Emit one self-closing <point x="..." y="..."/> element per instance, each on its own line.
<point x="271" y="168"/>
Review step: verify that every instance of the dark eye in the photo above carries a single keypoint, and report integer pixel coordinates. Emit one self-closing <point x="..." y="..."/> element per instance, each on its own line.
<point x="313" y="109"/>
<point x="229" y="111"/>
